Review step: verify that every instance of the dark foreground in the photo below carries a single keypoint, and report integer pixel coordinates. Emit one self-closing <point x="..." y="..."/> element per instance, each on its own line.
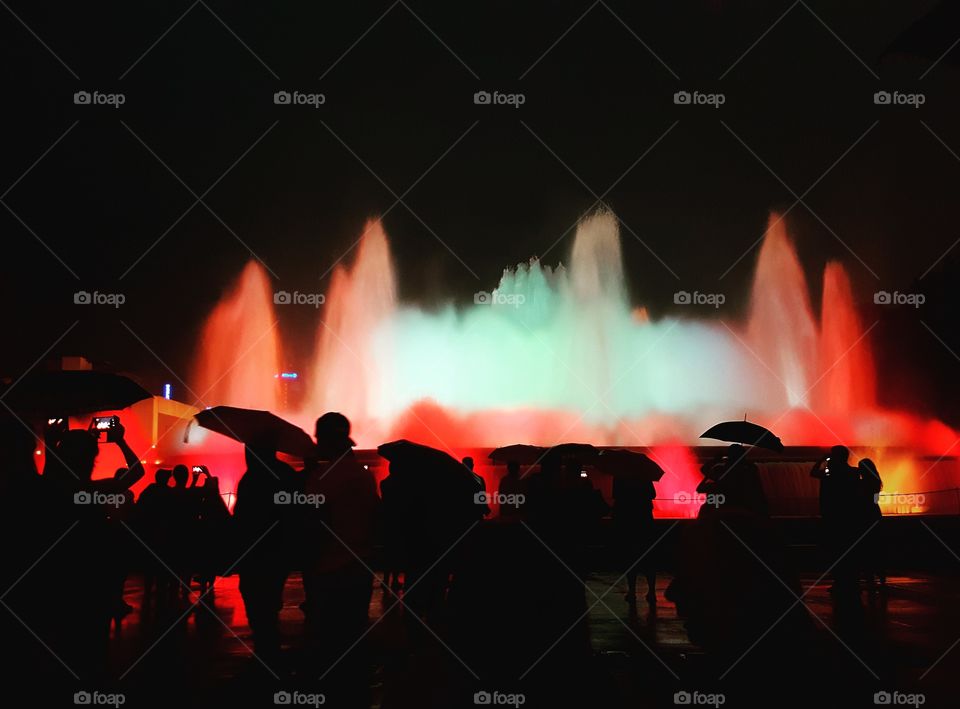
<point x="898" y="639"/>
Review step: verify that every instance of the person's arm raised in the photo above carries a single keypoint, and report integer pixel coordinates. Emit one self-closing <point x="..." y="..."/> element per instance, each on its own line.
<point x="134" y="466"/>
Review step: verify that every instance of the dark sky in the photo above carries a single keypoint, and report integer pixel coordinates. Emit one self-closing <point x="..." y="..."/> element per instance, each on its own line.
<point x="198" y="81"/>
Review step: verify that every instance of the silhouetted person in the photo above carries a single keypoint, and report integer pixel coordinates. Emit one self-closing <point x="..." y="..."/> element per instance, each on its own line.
<point x="262" y="516"/>
<point x="481" y="487"/>
<point x="184" y="511"/>
<point x="154" y="525"/>
<point x="734" y="481"/>
<point x="841" y="512"/>
<point x="875" y="547"/>
<point x="27" y="533"/>
<point x="88" y="555"/>
<point x="213" y="528"/>
<point x="510" y="491"/>
<point x="337" y="577"/>
<point x="392" y="514"/>
<point x="120" y="512"/>
<point x="633" y="528"/>
<point x="733" y="584"/>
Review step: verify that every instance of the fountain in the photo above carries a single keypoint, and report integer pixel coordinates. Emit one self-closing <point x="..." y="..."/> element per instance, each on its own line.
<point x="559" y="353"/>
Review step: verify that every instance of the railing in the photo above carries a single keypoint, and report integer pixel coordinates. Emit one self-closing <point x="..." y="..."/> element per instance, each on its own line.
<point x="892" y="503"/>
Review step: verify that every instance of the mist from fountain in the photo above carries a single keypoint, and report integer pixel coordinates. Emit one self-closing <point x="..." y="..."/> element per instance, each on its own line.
<point x="560" y="353"/>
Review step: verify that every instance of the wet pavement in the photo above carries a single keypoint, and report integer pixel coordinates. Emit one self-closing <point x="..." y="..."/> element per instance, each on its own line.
<point x="903" y="637"/>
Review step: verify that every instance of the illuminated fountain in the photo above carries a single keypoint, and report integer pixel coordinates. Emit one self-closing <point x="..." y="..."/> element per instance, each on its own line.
<point x="558" y="354"/>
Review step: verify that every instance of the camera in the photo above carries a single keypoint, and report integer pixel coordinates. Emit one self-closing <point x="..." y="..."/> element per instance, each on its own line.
<point x="105" y="425"/>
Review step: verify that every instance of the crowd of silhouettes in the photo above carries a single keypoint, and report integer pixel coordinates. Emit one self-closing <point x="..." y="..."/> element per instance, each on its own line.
<point x="328" y="521"/>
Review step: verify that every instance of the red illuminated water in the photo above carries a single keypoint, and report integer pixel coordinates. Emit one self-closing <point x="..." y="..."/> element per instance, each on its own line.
<point x="562" y="354"/>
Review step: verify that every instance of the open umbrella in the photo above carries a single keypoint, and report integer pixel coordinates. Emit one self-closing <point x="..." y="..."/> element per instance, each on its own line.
<point x="250" y="426"/>
<point x="628" y="464"/>
<point x="425" y="462"/>
<point x="529" y="455"/>
<point x="70" y="393"/>
<point x="518" y="452"/>
<point x="429" y="474"/>
<point x="746" y="432"/>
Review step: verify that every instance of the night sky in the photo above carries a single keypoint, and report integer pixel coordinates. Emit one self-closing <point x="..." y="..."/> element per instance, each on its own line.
<point x="488" y="185"/>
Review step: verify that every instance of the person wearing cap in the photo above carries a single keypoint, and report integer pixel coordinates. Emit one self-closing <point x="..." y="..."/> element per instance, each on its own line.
<point x="337" y="577"/>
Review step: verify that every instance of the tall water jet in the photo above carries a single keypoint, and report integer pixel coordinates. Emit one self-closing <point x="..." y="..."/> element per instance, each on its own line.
<point x="781" y="330"/>
<point x="848" y="379"/>
<point x="239" y="352"/>
<point x="599" y="299"/>
<point x="349" y="372"/>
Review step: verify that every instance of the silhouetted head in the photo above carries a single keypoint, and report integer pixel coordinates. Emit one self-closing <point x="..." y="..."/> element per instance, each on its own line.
<point x="211" y="484"/>
<point x="869" y="469"/>
<point x="162" y="477"/>
<point x="513" y="467"/>
<point x="77" y="451"/>
<point x="120" y="472"/>
<point x="839" y="454"/>
<point x="468" y="463"/>
<point x="180" y="475"/>
<point x="259" y="455"/>
<point x="333" y="435"/>
<point x="736" y="453"/>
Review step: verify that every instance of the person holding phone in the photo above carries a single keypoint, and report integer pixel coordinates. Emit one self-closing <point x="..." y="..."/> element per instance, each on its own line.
<point x="87" y="559"/>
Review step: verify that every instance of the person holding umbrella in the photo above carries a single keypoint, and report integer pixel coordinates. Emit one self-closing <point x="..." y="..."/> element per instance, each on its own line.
<point x="337" y="577"/>
<point x="262" y="519"/>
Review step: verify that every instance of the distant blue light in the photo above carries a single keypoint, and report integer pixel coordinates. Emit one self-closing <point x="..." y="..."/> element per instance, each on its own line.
<point x="167" y="391"/>
<point x="289" y="375"/>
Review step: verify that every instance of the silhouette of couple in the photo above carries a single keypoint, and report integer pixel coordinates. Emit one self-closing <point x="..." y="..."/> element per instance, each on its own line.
<point x="332" y="504"/>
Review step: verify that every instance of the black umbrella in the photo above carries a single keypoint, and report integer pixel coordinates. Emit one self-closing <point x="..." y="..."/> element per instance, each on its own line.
<point x="529" y="455"/>
<point x="628" y="464"/>
<point x="434" y="478"/>
<point x="426" y="461"/>
<point x="746" y="432"/>
<point x="70" y="393"/>
<point x="253" y="427"/>
<point x="518" y="452"/>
